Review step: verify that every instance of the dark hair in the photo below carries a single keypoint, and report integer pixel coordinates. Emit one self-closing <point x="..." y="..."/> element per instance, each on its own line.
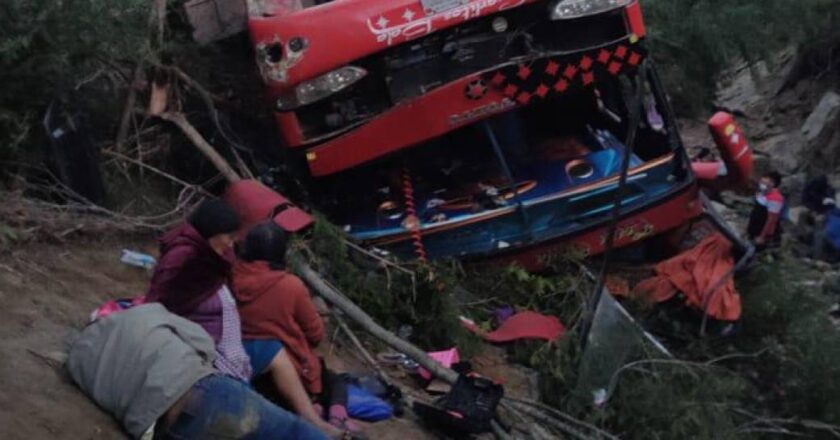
<point x="266" y="242"/>
<point x="214" y="217"/>
<point x="775" y="177"/>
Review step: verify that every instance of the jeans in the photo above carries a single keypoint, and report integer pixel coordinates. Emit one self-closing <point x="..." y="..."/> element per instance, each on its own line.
<point x="222" y="408"/>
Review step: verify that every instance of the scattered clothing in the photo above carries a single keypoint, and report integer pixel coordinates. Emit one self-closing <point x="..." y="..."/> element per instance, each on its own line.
<point x="523" y="325"/>
<point x="220" y="408"/>
<point x="116" y="305"/>
<point x="364" y="405"/>
<point x="694" y="273"/>
<point x="502" y="314"/>
<point x="276" y="305"/>
<point x="188" y="272"/>
<point x="447" y="358"/>
<point x="527" y="325"/>
<point x="138" y="363"/>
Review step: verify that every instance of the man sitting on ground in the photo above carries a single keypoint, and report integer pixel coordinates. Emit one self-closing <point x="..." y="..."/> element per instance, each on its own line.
<point x="153" y="371"/>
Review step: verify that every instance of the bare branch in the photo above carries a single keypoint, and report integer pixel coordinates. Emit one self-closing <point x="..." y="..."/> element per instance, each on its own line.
<point x="157" y="171"/>
<point x="198" y="140"/>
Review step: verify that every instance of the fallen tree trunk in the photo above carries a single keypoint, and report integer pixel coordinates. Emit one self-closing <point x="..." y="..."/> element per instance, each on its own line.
<point x="383" y="376"/>
<point x="338" y="300"/>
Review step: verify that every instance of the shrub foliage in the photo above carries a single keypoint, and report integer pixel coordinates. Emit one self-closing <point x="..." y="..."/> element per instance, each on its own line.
<point x="695" y="40"/>
<point x="51" y="48"/>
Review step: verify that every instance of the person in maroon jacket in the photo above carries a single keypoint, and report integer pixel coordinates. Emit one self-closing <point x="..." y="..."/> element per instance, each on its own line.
<point x="191" y="279"/>
<point x="276" y="307"/>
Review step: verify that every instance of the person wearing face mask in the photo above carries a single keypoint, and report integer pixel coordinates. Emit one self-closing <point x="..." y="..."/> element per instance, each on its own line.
<point x="764" y="224"/>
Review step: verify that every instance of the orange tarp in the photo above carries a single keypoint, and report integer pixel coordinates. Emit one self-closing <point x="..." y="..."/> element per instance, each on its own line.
<point x="694" y="273"/>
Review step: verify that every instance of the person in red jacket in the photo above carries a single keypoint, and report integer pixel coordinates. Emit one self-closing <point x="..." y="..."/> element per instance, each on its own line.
<point x="275" y="305"/>
<point x="765" y="219"/>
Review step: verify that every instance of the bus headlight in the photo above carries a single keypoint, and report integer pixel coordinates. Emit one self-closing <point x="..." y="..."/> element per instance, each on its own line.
<point x="568" y="9"/>
<point x="321" y="87"/>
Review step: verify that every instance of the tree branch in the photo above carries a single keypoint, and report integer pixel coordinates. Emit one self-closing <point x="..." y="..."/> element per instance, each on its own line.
<point x="198" y="140"/>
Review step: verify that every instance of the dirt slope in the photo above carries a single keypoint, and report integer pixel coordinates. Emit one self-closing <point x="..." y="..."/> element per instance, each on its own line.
<point x="47" y="293"/>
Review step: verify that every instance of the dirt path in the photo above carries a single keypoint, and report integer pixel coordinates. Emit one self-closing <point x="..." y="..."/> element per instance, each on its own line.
<point x="47" y="292"/>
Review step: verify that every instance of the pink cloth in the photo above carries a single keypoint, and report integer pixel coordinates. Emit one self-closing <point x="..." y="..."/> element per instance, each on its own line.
<point x="446" y="358"/>
<point x="116" y="305"/>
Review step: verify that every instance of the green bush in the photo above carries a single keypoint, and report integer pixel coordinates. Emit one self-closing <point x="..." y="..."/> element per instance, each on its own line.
<point x="48" y="48"/>
<point x="425" y="301"/>
<point x="693" y="41"/>
<point x="800" y="376"/>
<point x="783" y="365"/>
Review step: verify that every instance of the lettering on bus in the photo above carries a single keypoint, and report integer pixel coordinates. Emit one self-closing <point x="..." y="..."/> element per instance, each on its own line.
<point x="480" y="112"/>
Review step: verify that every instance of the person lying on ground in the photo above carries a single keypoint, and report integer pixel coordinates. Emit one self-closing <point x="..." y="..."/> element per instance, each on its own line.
<point x="153" y="371"/>
<point x="276" y="308"/>
<point x="191" y="279"/>
<point x="764" y="223"/>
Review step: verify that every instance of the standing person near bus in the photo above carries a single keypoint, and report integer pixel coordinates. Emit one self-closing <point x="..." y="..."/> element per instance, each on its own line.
<point x="764" y="226"/>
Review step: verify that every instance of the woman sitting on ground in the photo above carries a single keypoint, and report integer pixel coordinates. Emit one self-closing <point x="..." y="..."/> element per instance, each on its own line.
<point x="276" y="308"/>
<point x="191" y="279"/>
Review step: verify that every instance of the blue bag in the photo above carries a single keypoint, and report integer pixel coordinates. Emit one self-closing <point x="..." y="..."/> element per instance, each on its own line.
<point x="363" y="405"/>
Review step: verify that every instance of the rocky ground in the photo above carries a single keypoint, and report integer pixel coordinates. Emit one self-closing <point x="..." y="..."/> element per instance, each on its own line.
<point x="792" y="123"/>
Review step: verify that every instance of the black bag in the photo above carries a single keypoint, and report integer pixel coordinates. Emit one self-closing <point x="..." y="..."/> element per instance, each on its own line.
<point x="467" y="409"/>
